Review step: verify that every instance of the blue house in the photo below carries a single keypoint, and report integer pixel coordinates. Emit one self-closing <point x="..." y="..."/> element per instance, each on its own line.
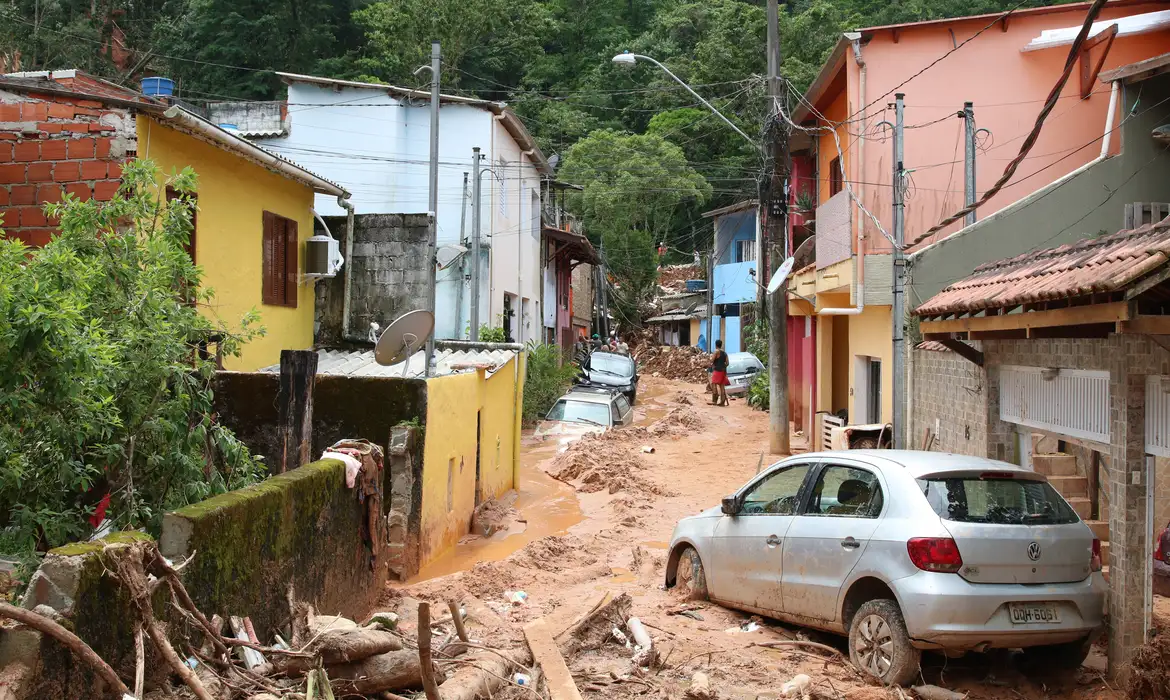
<point x="736" y="249"/>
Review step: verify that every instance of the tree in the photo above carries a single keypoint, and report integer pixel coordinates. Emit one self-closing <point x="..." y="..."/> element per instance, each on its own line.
<point x="633" y="184"/>
<point x="105" y="401"/>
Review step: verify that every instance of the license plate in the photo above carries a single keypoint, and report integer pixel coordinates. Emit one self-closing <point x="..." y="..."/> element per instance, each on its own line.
<point x="1033" y="613"/>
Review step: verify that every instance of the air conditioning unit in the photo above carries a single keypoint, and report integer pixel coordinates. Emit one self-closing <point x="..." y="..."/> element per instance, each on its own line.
<point x="322" y="257"/>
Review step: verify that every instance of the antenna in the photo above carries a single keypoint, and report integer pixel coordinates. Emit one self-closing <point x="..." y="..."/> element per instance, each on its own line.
<point x="781" y="274"/>
<point x="448" y="254"/>
<point x="408" y="333"/>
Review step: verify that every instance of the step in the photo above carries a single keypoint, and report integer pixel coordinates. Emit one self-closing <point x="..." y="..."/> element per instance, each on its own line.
<point x="1069" y="486"/>
<point x="1044" y="444"/>
<point x="1105" y="553"/>
<point x="1081" y="505"/>
<point x="1055" y="464"/>
<point x="1100" y="529"/>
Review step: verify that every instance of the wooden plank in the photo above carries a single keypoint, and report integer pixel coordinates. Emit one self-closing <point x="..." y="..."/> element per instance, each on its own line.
<point x="1070" y="316"/>
<point x="298" y="373"/>
<point x="963" y="350"/>
<point x="545" y="652"/>
<point x="1148" y="283"/>
<point x="1146" y="325"/>
<point x="1155" y="64"/>
<point x="1089" y="73"/>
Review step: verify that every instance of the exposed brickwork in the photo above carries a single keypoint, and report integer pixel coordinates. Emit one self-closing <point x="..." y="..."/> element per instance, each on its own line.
<point x="951" y="392"/>
<point x="1128" y="359"/>
<point x="51" y="146"/>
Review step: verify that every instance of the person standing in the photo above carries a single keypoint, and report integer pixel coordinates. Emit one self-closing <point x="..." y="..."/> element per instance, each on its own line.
<point x="719" y="375"/>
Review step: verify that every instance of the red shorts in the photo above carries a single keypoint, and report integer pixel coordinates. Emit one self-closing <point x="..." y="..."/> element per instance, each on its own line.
<point x="719" y="378"/>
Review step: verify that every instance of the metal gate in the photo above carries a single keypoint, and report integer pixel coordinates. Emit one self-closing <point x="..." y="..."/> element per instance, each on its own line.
<point x="1072" y="402"/>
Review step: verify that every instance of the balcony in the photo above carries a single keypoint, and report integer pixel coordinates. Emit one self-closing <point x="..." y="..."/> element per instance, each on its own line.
<point x="834" y="241"/>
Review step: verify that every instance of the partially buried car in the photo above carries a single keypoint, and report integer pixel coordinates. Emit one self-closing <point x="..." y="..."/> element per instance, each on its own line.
<point x="902" y="551"/>
<point x="584" y="410"/>
<point x="742" y="369"/>
<point x="610" y="370"/>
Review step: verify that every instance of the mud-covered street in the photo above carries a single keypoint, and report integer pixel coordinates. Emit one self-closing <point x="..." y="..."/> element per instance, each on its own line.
<point x="596" y="520"/>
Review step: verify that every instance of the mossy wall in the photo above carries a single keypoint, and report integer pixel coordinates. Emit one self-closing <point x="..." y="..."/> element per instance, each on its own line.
<point x="246" y="403"/>
<point x="299" y="531"/>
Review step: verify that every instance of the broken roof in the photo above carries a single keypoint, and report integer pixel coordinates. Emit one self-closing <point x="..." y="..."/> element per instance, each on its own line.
<point x="360" y="363"/>
<point x="1102" y="265"/>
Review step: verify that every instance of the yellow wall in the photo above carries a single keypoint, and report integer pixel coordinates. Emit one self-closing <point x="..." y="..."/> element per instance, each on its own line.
<point x="497" y="431"/>
<point x="449" y="461"/>
<point x="449" y="452"/>
<point x="232" y="196"/>
<point x="871" y="334"/>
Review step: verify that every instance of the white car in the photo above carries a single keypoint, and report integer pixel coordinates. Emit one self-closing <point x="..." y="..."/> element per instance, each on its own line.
<point x="902" y="551"/>
<point x="584" y="410"/>
<point x="742" y="369"/>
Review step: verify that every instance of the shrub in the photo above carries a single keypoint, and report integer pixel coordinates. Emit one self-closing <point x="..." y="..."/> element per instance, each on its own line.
<point x="760" y="392"/>
<point x="487" y="334"/>
<point x="105" y="401"/>
<point x="545" y="381"/>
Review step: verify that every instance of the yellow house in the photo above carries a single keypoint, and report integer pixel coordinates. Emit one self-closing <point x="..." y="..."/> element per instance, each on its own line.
<point x="255" y="211"/>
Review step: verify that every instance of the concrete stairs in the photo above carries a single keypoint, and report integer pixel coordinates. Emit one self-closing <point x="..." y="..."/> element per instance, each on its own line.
<point x="1061" y="470"/>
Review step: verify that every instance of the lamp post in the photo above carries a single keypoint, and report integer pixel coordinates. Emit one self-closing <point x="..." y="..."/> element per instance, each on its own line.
<point x="629" y="59"/>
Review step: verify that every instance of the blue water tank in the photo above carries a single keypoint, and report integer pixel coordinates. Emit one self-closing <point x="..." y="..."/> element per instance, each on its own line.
<point x="696" y="285"/>
<point x="158" y="87"/>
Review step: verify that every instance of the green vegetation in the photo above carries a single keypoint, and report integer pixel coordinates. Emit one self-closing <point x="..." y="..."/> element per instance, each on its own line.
<point x="487" y="334"/>
<point x="545" y="380"/>
<point x="105" y="401"/>
<point x="760" y="392"/>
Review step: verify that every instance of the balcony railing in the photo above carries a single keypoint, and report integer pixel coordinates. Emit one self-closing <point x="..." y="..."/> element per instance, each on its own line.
<point x="834" y="240"/>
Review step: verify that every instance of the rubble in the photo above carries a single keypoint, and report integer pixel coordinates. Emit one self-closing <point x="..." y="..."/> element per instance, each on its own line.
<point x="599" y="463"/>
<point x="673" y="278"/>
<point x="682" y="362"/>
<point x="1149" y="673"/>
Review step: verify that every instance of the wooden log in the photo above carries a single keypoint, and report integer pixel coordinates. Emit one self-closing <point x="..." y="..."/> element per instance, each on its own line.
<point x="298" y="372"/>
<point x="71" y="641"/>
<point x="424" y="652"/>
<point x="394" y="670"/>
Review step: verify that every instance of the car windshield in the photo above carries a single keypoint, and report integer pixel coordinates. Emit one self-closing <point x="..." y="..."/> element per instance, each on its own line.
<point x="997" y="500"/>
<point x="612" y="364"/>
<point x="580" y="412"/>
<point x="743" y="364"/>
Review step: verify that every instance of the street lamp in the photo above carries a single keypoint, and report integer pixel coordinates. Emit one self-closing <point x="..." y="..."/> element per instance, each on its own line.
<point x="629" y="59"/>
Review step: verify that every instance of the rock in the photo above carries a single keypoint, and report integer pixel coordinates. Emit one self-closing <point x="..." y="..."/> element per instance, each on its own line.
<point x="700" y="688"/>
<point x="393" y="670"/>
<point x="330" y="623"/>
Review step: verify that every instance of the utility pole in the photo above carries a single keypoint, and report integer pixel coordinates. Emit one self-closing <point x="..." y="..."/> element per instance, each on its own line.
<point x="476" y="158"/>
<point x="433" y="201"/>
<point x="776" y="214"/>
<point x="969" y="169"/>
<point x="603" y="293"/>
<point x="899" y="314"/>
<point x="463" y="261"/>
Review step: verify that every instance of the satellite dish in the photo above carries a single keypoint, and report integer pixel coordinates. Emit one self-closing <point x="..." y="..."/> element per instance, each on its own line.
<point x="448" y="254"/>
<point x="405" y="336"/>
<point x="781" y="274"/>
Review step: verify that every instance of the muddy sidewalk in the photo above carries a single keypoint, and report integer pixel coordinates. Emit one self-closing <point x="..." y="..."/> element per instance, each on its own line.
<point x="595" y="522"/>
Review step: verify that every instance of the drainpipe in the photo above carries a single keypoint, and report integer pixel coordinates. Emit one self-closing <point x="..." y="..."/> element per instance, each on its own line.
<point x="859" y="261"/>
<point x="1113" y="93"/>
<point x="347" y="286"/>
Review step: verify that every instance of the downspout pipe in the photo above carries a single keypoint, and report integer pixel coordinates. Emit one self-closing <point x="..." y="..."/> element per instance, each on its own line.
<point x="347" y="286"/>
<point x="859" y="264"/>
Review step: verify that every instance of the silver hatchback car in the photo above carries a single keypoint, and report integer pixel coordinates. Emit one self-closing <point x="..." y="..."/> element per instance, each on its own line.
<point x="902" y="551"/>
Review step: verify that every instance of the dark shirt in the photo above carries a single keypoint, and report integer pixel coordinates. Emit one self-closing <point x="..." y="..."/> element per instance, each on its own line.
<point x="719" y="361"/>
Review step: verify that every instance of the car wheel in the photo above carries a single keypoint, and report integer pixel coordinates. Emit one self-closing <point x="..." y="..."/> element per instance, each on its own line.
<point x="1068" y="656"/>
<point x="880" y="646"/>
<point x="689" y="576"/>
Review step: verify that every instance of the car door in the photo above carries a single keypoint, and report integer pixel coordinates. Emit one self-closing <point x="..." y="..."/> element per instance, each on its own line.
<point x="746" y="553"/>
<point x="828" y="537"/>
<point x="623" y="409"/>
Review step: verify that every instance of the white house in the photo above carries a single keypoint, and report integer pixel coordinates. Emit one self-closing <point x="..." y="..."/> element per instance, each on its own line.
<point x="375" y="141"/>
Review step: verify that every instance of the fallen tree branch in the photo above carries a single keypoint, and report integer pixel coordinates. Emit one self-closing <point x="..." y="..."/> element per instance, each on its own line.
<point x="72" y="641"/>
<point x="179" y="591"/>
<point x="424" y="651"/>
<point x="457" y="617"/>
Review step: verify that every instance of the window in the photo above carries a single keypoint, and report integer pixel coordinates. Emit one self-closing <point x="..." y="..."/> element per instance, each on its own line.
<point x="836" y="176"/>
<point x="580" y="412"/>
<point x="279" y="287"/>
<point x="846" y="492"/>
<point x="777" y="493"/>
<point x="982" y="499"/>
<point x="615" y="413"/>
<point x="745" y="251"/>
<point x="623" y="406"/>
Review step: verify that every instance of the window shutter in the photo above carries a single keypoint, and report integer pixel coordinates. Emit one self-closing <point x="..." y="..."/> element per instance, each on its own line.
<point x="290" y="263"/>
<point x="268" y="288"/>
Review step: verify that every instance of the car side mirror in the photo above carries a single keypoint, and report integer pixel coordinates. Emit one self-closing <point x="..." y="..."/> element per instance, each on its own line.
<point x="730" y="505"/>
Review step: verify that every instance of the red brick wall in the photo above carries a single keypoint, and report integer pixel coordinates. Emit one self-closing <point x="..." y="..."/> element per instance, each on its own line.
<point x="50" y="146"/>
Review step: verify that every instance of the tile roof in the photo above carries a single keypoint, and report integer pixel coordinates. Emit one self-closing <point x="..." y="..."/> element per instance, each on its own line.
<point x="1095" y="265"/>
<point x="360" y="363"/>
<point x="932" y="346"/>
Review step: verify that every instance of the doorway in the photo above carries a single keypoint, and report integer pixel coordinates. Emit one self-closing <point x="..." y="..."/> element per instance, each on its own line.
<point x="867" y="390"/>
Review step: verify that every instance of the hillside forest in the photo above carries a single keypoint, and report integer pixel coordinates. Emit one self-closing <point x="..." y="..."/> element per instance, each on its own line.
<point x="650" y="157"/>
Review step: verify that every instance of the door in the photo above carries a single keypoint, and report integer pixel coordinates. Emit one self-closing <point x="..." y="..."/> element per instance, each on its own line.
<point x="745" y="559"/>
<point x="828" y="538"/>
<point x="624" y="412"/>
<point x="875" y="391"/>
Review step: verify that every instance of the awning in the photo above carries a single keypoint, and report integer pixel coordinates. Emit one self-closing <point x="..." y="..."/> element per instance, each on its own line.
<point x="576" y="246"/>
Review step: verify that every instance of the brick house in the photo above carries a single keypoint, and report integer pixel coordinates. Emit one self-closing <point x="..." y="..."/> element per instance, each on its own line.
<point x="65" y="132"/>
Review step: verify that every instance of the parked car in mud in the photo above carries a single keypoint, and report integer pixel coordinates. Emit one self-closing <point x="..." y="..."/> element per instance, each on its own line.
<point x="610" y="370"/>
<point x="902" y="551"/>
<point x="584" y="410"/>
<point x="742" y="368"/>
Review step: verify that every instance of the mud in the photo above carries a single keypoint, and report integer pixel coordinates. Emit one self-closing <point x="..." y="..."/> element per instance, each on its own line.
<point x="619" y="546"/>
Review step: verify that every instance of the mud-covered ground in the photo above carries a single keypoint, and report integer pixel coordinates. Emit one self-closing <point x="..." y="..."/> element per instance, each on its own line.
<point x="596" y="519"/>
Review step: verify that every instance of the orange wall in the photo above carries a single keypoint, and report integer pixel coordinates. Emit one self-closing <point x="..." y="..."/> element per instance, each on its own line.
<point x="837" y="111"/>
<point x="1008" y="88"/>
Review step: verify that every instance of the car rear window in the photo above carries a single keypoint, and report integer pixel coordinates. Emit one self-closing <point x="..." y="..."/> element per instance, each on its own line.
<point x="580" y="412"/>
<point x="997" y="500"/>
<point x="743" y="365"/>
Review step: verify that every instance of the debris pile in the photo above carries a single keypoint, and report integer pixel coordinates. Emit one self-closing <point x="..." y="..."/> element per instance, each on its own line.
<point x="674" y="362"/>
<point x="673" y="278"/>
<point x="597" y="463"/>
<point x="679" y="422"/>
<point x="1149" y="675"/>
